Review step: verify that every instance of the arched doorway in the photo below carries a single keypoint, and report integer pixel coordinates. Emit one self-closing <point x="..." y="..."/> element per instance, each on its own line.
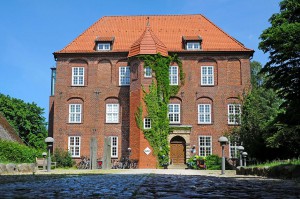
<point x="177" y="150"/>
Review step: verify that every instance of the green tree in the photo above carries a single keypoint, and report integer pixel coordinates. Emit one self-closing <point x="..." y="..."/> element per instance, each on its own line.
<point x="281" y="41"/>
<point x="260" y="107"/>
<point x="26" y="118"/>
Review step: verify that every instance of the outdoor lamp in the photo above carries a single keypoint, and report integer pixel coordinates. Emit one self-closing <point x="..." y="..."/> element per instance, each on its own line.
<point x="245" y="154"/>
<point x="223" y="141"/>
<point x="193" y="150"/>
<point x="129" y="151"/>
<point x="49" y="141"/>
<point x="241" y="149"/>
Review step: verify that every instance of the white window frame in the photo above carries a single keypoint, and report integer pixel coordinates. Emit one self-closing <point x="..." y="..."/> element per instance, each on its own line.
<point x="234" y="114"/>
<point x="112" y="113"/>
<point x="75" y="114"/>
<point x="173" y="75"/>
<point x="147" y="72"/>
<point x="124" y="75"/>
<point x="206" y="77"/>
<point x="205" y="148"/>
<point x="104" y="46"/>
<point x="74" y="146"/>
<point x="114" y="146"/>
<point x="233" y="151"/>
<point x="193" y="45"/>
<point x="77" y="76"/>
<point x="174" y="116"/>
<point x="205" y="114"/>
<point x="147" y="123"/>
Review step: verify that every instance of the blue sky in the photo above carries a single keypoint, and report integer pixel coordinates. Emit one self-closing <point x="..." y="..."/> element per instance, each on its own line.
<point x="31" y="30"/>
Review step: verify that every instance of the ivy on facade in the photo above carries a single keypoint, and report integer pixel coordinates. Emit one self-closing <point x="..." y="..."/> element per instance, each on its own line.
<point x="156" y="99"/>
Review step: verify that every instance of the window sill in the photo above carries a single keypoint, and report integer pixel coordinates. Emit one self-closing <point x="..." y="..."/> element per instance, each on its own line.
<point x="205" y="123"/>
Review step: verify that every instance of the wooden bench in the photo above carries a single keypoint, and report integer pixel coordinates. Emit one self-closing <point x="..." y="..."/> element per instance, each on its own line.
<point x="42" y="162"/>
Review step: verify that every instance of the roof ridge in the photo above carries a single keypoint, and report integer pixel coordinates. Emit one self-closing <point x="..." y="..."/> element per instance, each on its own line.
<point x="239" y="43"/>
<point x="152" y="15"/>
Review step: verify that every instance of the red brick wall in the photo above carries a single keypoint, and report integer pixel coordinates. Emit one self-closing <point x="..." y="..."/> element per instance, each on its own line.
<point x="231" y="78"/>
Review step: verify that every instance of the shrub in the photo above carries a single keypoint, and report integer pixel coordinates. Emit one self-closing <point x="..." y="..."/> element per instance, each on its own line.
<point x="192" y="161"/>
<point x="213" y="162"/>
<point x="16" y="153"/>
<point x="63" y="158"/>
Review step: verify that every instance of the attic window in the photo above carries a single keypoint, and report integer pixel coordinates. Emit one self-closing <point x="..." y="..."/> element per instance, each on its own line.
<point x="104" y="43"/>
<point x="103" y="46"/>
<point x="193" y="45"/>
<point x="191" y="42"/>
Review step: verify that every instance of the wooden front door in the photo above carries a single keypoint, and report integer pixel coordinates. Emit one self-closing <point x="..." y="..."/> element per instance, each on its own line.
<point x="177" y="151"/>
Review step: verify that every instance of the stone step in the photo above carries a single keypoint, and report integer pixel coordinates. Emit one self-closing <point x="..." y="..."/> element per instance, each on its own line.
<point x="177" y="166"/>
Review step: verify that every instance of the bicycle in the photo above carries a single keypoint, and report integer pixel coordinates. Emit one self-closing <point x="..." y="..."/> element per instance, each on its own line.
<point x="84" y="163"/>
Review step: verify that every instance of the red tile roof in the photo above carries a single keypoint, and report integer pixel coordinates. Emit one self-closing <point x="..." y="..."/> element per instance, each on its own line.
<point x="167" y="30"/>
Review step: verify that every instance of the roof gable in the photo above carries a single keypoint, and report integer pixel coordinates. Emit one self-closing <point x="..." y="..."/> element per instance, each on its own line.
<point x="170" y="29"/>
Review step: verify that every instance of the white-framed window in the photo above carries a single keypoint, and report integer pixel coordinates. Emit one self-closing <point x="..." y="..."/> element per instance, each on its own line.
<point x="74" y="146"/>
<point x="174" y="113"/>
<point x="193" y="45"/>
<point x="234" y="114"/>
<point x="207" y="75"/>
<point x="147" y="123"/>
<point x="112" y="113"/>
<point x="205" y="145"/>
<point x="147" y="71"/>
<point x="204" y="113"/>
<point x="124" y="76"/>
<point x="75" y="111"/>
<point x="103" y="46"/>
<point x="78" y="76"/>
<point x="173" y="75"/>
<point x="114" y="146"/>
<point x="233" y="150"/>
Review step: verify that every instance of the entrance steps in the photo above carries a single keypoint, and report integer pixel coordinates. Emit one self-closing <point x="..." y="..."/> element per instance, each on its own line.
<point x="177" y="166"/>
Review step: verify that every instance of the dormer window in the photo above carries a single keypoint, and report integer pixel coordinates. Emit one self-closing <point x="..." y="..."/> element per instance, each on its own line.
<point x="103" y="46"/>
<point x="193" y="45"/>
<point x="192" y="42"/>
<point x="104" y="43"/>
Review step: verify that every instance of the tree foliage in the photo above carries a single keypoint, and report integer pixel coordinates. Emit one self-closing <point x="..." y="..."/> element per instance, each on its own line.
<point x="26" y="118"/>
<point x="263" y="135"/>
<point x="281" y="41"/>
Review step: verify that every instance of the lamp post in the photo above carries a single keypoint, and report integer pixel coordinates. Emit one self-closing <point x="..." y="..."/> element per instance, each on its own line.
<point x="49" y="141"/>
<point x="223" y="141"/>
<point x="241" y="149"/>
<point x="245" y="154"/>
<point x="44" y="154"/>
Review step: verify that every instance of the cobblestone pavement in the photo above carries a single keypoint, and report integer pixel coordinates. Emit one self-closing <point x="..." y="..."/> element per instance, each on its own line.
<point x="150" y="184"/>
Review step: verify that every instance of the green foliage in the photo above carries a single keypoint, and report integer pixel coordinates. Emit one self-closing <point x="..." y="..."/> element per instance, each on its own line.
<point x="261" y="133"/>
<point x="278" y="162"/>
<point x="156" y="101"/>
<point x="281" y="41"/>
<point x="192" y="161"/>
<point x="16" y="153"/>
<point x="63" y="158"/>
<point x="26" y="118"/>
<point x="213" y="162"/>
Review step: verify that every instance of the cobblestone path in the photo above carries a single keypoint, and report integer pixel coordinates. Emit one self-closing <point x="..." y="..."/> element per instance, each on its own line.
<point x="151" y="186"/>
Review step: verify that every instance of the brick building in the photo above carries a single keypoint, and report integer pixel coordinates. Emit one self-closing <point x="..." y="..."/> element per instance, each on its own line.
<point x="96" y="88"/>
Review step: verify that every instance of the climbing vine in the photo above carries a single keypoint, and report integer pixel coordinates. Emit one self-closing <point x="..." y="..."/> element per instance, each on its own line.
<point x="156" y="99"/>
